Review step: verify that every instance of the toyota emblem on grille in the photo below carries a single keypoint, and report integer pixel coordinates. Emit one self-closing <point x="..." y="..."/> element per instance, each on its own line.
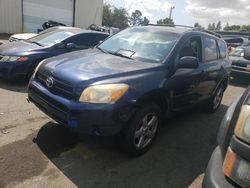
<point x="49" y="82"/>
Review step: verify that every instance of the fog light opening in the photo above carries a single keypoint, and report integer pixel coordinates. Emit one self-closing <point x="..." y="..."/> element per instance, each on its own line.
<point x="229" y="162"/>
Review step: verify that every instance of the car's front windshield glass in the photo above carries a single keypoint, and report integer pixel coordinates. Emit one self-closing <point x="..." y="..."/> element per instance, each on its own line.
<point x="239" y="52"/>
<point x="141" y="44"/>
<point x="50" y="38"/>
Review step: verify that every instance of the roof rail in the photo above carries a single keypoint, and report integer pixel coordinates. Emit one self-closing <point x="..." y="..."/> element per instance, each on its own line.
<point x="171" y="25"/>
<point x="207" y="31"/>
<point x="189" y="27"/>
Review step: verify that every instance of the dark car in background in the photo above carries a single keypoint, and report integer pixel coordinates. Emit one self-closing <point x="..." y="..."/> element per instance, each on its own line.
<point x="240" y="58"/>
<point x="18" y="60"/>
<point x="229" y="165"/>
<point x="127" y="84"/>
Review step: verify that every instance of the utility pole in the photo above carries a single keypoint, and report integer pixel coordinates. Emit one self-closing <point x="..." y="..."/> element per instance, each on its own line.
<point x="171" y="10"/>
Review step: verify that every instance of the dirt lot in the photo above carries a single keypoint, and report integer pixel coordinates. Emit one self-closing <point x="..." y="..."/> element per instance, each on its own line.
<point x="36" y="152"/>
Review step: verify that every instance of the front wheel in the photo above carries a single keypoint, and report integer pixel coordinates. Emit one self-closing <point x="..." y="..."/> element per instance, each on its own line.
<point x="142" y="130"/>
<point x="214" y="103"/>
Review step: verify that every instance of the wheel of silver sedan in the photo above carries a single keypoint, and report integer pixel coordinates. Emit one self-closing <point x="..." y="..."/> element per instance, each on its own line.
<point x="146" y="130"/>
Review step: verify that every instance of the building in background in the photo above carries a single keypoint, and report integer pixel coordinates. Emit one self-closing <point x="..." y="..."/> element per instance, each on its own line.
<point x="18" y="16"/>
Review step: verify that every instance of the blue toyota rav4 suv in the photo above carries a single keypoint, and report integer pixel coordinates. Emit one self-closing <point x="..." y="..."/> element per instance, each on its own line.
<point x="129" y="82"/>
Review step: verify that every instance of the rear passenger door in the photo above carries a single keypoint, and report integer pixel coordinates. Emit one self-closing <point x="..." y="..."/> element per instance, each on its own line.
<point x="211" y="67"/>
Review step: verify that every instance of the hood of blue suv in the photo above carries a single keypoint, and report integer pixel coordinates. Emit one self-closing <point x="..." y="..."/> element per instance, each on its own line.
<point x="77" y="67"/>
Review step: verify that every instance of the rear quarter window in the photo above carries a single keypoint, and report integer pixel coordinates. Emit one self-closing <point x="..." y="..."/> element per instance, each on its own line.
<point x="210" y="49"/>
<point x="222" y="48"/>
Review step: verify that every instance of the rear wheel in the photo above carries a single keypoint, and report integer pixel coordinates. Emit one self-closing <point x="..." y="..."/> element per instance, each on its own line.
<point x="142" y="131"/>
<point x="214" y="103"/>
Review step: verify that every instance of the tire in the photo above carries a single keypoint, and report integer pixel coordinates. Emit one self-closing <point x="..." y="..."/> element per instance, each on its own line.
<point x="142" y="130"/>
<point x="214" y="102"/>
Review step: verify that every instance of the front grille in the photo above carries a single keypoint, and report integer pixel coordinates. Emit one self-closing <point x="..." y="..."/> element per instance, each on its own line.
<point x="59" y="88"/>
<point x="238" y="68"/>
<point x="56" y="110"/>
<point x="239" y="64"/>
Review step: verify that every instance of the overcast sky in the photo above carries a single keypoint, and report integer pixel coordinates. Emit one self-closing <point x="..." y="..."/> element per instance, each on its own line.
<point x="190" y="11"/>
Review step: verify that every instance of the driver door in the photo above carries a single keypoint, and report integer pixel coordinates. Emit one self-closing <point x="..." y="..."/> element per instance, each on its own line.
<point x="186" y="81"/>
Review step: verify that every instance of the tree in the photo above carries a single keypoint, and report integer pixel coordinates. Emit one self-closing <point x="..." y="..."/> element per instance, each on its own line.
<point x="227" y="27"/>
<point x="114" y="17"/>
<point x="136" y="18"/>
<point x="213" y="26"/>
<point x="245" y="28"/>
<point x="145" y="21"/>
<point x="165" y="21"/>
<point x="197" y="25"/>
<point x="107" y="15"/>
<point x="120" y="18"/>
<point x="218" y="26"/>
<point x="210" y="27"/>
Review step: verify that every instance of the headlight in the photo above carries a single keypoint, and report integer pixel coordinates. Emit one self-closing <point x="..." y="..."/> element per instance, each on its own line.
<point x="37" y="67"/>
<point x="14" y="58"/>
<point x="106" y="94"/>
<point x="242" y="129"/>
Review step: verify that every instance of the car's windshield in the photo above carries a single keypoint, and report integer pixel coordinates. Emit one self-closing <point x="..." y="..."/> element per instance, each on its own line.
<point x="239" y="52"/>
<point x="141" y="44"/>
<point x="51" y="38"/>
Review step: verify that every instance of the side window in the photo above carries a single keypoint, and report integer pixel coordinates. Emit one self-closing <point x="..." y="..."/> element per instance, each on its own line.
<point x="192" y="48"/>
<point x="100" y="37"/>
<point x="222" y="48"/>
<point x="210" y="49"/>
<point x="86" y="40"/>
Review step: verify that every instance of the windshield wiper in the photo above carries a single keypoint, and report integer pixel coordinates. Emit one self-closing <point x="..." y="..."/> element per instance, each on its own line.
<point x="102" y="50"/>
<point x="36" y="43"/>
<point x="122" y="55"/>
<point x="125" y="55"/>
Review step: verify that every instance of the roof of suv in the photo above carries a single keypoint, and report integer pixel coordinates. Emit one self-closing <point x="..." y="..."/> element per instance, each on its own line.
<point x="168" y="28"/>
<point x="181" y="29"/>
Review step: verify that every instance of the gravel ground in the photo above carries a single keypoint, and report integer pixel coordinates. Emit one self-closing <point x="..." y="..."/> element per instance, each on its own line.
<point x="36" y="152"/>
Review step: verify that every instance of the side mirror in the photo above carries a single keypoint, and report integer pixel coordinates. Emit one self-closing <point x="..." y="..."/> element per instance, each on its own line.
<point x="247" y="53"/>
<point x="60" y="45"/>
<point x="188" y="62"/>
<point x="70" y="45"/>
<point x="101" y="41"/>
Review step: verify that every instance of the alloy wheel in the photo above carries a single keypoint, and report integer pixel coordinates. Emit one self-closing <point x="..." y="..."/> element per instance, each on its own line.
<point x="146" y="130"/>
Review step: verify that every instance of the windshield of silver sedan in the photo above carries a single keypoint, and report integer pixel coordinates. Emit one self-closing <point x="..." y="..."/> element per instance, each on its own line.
<point x="141" y="44"/>
<point x="50" y="38"/>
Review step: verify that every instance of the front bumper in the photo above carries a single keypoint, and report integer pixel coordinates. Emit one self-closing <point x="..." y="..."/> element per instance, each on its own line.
<point x="214" y="177"/>
<point x="94" y="119"/>
<point x="240" y="71"/>
<point x="11" y="70"/>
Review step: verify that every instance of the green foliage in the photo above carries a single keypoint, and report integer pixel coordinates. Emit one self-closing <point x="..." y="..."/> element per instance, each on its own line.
<point x="107" y="15"/>
<point x="214" y="27"/>
<point x="165" y="21"/>
<point x="114" y="17"/>
<point x="118" y="17"/>
<point x="197" y="25"/>
<point x="218" y="26"/>
<point x="145" y="21"/>
<point x="136" y="18"/>
<point x="243" y="28"/>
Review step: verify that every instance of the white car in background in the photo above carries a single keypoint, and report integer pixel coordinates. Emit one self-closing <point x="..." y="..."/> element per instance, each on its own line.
<point x="21" y="36"/>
